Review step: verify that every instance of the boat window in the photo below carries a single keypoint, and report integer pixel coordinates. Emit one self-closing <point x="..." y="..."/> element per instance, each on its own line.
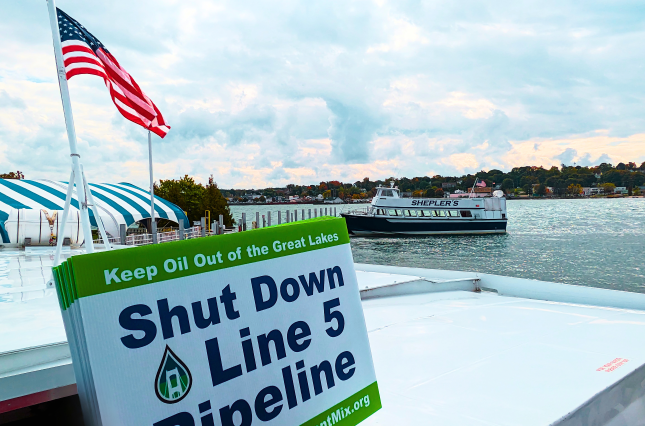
<point x="425" y="213"/>
<point x="409" y="213"/>
<point x="380" y="212"/>
<point x="453" y="213"/>
<point x="392" y="213"/>
<point x="386" y="193"/>
<point x="439" y="213"/>
<point x="466" y="213"/>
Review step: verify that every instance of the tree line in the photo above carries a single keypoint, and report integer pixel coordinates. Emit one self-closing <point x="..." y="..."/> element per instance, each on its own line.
<point x="531" y="180"/>
<point x="195" y="199"/>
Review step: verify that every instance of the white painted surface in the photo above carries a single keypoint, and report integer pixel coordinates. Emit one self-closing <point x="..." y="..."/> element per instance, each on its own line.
<point x="460" y="358"/>
<point x="443" y="357"/>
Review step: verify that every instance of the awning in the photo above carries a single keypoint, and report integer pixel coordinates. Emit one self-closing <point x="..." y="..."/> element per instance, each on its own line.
<point x="118" y="203"/>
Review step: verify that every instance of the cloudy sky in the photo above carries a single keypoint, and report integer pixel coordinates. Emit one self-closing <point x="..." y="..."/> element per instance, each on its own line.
<point x="267" y="93"/>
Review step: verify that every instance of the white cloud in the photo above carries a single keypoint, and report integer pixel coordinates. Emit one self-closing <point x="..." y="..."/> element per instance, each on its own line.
<point x="264" y="94"/>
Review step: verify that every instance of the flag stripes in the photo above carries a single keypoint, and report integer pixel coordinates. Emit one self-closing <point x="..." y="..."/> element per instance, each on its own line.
<point x="85" y="54"/>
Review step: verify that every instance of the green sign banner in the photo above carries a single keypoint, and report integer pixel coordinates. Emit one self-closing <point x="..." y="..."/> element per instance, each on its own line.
<point x="263" y="326"/>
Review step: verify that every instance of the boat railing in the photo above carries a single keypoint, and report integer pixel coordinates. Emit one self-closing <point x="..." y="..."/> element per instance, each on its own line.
<point x="365" y="211"/>
<point x="162" y="237"/>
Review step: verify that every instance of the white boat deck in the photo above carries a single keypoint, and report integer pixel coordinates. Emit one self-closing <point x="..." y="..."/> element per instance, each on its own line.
<point x="445" y="353"/>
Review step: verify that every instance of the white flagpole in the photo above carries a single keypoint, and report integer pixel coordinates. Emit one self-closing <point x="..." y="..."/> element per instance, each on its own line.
<point x="95" y="208"/>
<point x="61" y="233"/>
<point x="153" y="224"/>
<point x="69" y="124"/>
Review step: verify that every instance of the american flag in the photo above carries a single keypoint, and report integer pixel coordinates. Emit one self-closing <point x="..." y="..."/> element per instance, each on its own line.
<point x="85" y="54"/>
<point x="481" y="183"/>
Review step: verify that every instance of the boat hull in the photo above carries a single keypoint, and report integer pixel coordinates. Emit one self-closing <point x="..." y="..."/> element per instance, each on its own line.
<point x="374" y="226"/>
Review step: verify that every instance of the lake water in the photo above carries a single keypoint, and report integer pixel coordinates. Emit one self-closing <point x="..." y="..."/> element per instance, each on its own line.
<point x="593" y="242"/>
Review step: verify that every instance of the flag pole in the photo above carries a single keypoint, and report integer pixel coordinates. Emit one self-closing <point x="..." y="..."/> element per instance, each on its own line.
<point x="71" y="132"/>
<point x="153" y="224"/>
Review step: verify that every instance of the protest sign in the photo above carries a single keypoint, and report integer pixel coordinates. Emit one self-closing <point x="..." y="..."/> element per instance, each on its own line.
<point x="258" y="327"/>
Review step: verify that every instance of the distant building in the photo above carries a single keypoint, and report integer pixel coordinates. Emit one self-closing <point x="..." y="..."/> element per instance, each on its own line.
<point x="478" y="190"/>
<point x="336" y="200"/>
<point x="621" y="190"/>
<point x="448" y="185"/>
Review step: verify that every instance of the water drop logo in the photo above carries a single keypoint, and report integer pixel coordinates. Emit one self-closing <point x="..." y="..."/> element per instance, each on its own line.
<point x="173" y="380"/>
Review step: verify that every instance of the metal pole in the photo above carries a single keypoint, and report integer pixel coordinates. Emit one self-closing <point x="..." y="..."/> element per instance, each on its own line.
<point x="295" y="215"/>
<point x="269" y="218"/>
<point x="123" y="234"/>
<point x="153" y="223"/>
<point x="257" y="219"/>
<point x="221" y="224"/>
<point x="309" y="213"/>
<point x="69" y="125"/>
<point x="99" y="222"/>
<point x="279" y="217"/>
<point x="68" y="200"/>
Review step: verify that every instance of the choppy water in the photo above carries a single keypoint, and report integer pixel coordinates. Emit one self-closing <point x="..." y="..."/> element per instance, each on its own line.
<point x="593" y="242"/>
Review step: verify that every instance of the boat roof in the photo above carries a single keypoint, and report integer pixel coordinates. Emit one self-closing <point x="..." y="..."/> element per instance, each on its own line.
<point x="449" y="347"/>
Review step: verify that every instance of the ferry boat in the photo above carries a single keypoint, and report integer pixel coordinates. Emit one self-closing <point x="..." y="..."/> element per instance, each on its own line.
<point x="390" y="214"/>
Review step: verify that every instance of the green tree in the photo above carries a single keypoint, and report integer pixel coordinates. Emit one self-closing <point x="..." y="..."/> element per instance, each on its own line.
<point x="574" y="189"/>
<point x="214" y="201"/>
<point x="528" y="189"/>
<point x="438" y="193"/>
<point x="194" y="199"/>
<point x="430" y="192"/>
<point x="507" y="185"/>
<point x="608" y="187"/>
<point x="540" y="190"/>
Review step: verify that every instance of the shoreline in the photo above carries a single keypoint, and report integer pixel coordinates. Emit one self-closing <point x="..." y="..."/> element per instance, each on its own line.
<point x="507" y="198"/>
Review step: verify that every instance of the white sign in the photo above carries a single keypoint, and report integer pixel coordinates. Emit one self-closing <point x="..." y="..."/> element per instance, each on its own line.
<point x="260" y="327"/>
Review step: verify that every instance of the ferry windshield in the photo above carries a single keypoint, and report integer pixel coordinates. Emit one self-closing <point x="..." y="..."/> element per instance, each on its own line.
<point x="388" y="192"/>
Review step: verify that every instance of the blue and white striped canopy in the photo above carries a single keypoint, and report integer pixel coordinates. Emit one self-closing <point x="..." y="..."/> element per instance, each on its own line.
<point x="121" y="203"/>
